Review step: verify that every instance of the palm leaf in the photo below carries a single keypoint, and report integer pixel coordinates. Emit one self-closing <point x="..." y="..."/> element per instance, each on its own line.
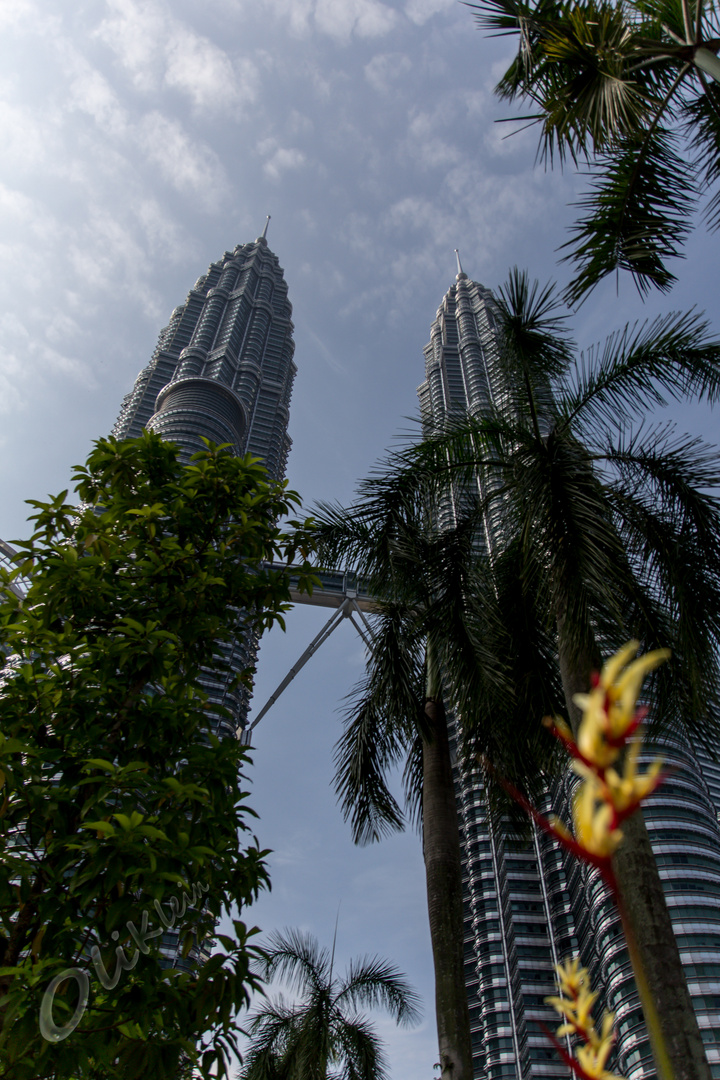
<point x="701" y="126"/>
<point x="384" y="712"/>
<point x="670" y="528"/>
<point x="627" y="374"/>
<point x="636" y="215"/>
<point x="296" y="958"/>
<point x="371" y="982"/>
<point x="535" y="342"/>
<point x="590" y="89"/>
<point x="361" y="1050"/>
<point x="674" y="605"/>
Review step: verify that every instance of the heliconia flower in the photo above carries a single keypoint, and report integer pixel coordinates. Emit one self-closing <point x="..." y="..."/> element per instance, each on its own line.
<point x="571" y="976"/>
<point x="626" y="792"/>
<point x="603" y="800"/>
<point x="594" y="817"/>
<point x="592" y="1062"/>
<point x="609" y="708"/>
<point x="575" y="1006"/>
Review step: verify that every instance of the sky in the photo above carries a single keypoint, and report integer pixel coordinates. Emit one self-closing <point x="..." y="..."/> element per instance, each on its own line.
<point x="140" y="140"/>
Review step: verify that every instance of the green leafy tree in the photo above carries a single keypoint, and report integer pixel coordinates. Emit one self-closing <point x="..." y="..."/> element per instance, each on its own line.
<point x="118" y="799"/>
<point x="632" y="89"/>
<point x="440" y="634"/>
<point x="323" y="1035"/>
<point x="611" y="530"/>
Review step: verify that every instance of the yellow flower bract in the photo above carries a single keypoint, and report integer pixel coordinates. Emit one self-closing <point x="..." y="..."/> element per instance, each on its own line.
<point x="609" y="708"/>
<point x="605" y="796"/>
<point x="575" y="1006"/>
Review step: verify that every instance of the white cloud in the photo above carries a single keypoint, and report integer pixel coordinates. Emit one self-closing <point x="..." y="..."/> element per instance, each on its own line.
<point x="61" y="327"/>
<point x="385" y="69"/>
<point x="426" y="146"/>
<point x="13" y="384"/>
<point x="26" y="137"/>
<point x="419" y="11"/>
<point x="339" y="19"/>
<point x="205" y="73"/>
<point x="163" y="236"/>
<point x="296" y="15"/>
<point x="357" y="232"/>
<point x="365" y="18"/>
<point x="136" y="33"/>
<point x="17" y="12"/>
<point x="419" y="214"/>
<point x="31" y="351"/>
<point x="280" y="159"/>
<point x="299" y="124"/>
<point x="190" y="167"/>
<point x="90" y="92"/>
<point x="158" y="50"/>
<point x="17" y="206"/>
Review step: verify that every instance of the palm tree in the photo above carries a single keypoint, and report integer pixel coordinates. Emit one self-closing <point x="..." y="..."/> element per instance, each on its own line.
<point x="613" y="532"/>
<point x="632" y="88"/>
<point x="441" y="634"/>
<point x="323" y="1036"/>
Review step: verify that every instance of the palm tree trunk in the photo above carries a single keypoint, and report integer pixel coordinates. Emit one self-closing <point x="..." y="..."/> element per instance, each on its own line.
<point x="443" y="872"/>
<point x="646" y="913"/>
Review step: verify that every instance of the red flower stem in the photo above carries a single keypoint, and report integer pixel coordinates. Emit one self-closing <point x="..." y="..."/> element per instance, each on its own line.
<point x="569" y="1060"/>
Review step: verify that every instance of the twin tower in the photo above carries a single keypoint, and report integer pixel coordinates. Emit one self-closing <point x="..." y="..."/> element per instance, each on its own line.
<point x="223" y="369"/>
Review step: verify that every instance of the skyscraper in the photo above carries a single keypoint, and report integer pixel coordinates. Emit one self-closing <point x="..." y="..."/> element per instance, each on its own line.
<point x="528" y="905"/>
<point x="223" y="369"/>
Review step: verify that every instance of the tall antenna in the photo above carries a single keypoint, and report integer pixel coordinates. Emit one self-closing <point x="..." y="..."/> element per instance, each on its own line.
<point x="264" y="232"/>
<point x="459" y="264"/>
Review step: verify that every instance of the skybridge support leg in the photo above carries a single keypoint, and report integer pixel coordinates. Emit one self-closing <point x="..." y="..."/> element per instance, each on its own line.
<point x="347" y="609"/>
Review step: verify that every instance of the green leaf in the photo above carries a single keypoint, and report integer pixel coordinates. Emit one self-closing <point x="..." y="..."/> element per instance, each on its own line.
<point x="103" y="827"/>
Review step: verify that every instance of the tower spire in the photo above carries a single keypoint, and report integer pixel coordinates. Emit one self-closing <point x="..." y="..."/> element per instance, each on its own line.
<point x="264" y="232"/>
<point x="461" y="273"/>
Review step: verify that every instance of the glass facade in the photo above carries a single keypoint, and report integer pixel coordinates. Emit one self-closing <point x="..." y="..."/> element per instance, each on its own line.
<point x="527" y="904"/>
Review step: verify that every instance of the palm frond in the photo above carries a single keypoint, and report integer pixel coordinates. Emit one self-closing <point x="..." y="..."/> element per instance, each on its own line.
<point x="412" y="780"/>
<point x="675" y="603"/>
<point x="297" y="959"/>
<point x="631" y="371"/>
<point x="678" y="475"/>
<point x="464" y="451"/>
<point x="360" y="764"/>
<point x="586" y="68"/>
<point x="371" y="982"/>
<point x="590" y="88"/>
<point x="361" y="1050"/>
<point x="380" y="724"/>
<point x="701" y="126"/>
<point x="636" y="215"/>
<point x="535" y="341"/>
<point x="273" y="1029"/>
<point x="314" y="1037"/>
<point x="569" y="531"/>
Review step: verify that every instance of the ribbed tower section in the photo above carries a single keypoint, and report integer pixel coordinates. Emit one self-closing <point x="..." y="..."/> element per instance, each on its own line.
<point x="223" y="366"/>
<point x="528" y="905"/>
<point x="223" y="370"/>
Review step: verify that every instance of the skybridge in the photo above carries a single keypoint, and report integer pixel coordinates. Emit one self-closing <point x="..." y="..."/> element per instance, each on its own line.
<point x="347" y="595"/>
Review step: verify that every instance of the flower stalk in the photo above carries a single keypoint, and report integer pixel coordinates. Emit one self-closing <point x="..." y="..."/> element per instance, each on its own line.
<point x="606" y="758"/>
